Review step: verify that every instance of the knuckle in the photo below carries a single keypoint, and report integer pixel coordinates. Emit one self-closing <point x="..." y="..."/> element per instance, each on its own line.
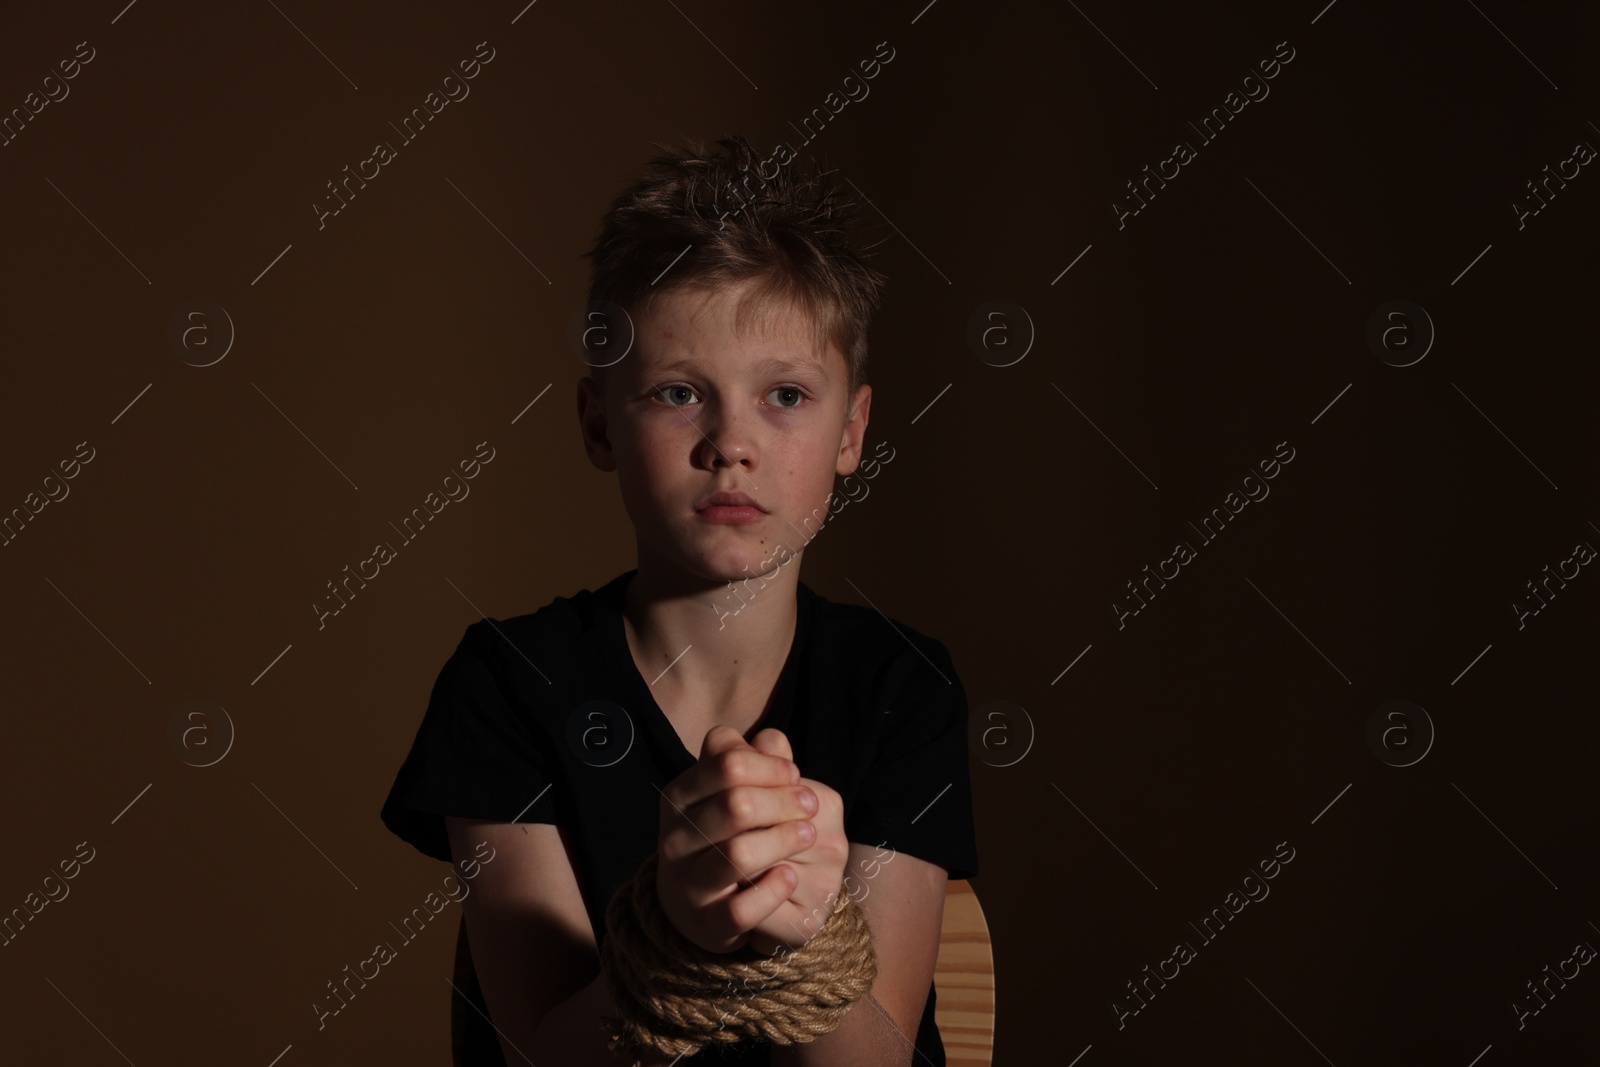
<point x="739" y="804"/>
<point x="738" y="852"/>
<point x="733" y="762"/>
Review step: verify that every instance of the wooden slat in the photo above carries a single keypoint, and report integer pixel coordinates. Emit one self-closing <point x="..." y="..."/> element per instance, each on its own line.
<point x="963" y="980"/>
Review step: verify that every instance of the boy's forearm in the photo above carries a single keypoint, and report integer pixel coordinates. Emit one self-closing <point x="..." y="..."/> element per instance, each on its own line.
<point x="572" y="1033"/>
<point x="866" y="1035"/>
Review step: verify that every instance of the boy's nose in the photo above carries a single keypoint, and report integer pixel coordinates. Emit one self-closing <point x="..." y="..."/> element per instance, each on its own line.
<point x="728" y="442"/>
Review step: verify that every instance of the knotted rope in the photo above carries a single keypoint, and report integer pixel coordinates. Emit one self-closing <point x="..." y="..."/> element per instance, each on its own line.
<point x="676" y="998"/>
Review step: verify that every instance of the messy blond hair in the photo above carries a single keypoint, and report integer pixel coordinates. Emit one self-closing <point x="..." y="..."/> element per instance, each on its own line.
<point x="700" y="219"/>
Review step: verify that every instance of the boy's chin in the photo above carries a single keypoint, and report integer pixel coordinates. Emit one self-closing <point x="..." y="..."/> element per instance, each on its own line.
<point x="737" y="567"/>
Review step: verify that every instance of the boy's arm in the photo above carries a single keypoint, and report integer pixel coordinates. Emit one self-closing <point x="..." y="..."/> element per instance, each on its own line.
<point x="533" y="946"/>
<point x="904" y="903"/>
<point x="573" y="1023"/>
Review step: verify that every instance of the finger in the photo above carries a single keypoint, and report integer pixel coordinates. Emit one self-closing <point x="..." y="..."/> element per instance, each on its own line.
<point x="770" y="741"/>
<point x="745" y="910"/>
<point x="831" y="804"/>
<point x="726" y="814"/>
<point x="726" y="764"/>
<point x="720" y="738"/>
<point x="742" y="860"/>
<point x="773" y="742"/>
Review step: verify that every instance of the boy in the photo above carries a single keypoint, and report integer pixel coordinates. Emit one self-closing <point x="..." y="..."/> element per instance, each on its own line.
<point x="767" y="744"/>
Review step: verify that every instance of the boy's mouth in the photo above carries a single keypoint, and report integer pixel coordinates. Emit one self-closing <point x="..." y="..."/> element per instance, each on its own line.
<point x="728" y="501"/>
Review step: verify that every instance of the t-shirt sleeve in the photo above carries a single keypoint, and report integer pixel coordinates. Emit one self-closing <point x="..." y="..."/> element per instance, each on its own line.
<point x="476" y="755"/>
<point x="917" y="794"/>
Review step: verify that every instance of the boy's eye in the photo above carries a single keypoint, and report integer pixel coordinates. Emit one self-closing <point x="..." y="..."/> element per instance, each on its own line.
<point x="799" y="396"/>
<point x="668" y="392"/>
<point x="670" y="395"/>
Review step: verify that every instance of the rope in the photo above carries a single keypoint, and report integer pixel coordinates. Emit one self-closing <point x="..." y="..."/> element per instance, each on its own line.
<point x="676" y="998"/>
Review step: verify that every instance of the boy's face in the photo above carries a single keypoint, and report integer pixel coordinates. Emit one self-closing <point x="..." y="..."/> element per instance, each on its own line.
<point x="698" y="407"/>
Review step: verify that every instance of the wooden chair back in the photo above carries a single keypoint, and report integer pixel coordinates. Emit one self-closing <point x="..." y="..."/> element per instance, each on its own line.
<point x="963" y="980"/>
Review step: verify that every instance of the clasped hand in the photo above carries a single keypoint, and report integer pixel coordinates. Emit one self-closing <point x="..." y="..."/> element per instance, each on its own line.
<point x="749" y="851"/>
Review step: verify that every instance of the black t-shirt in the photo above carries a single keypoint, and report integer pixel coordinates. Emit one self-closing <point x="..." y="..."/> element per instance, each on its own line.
<point x="545" y="718"/>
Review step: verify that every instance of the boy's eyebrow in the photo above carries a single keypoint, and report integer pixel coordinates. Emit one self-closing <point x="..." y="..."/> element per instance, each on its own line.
<point x="767" y="366"/>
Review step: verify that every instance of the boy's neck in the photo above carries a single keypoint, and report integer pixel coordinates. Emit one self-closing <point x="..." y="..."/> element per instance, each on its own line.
<point x="707" y="649"/>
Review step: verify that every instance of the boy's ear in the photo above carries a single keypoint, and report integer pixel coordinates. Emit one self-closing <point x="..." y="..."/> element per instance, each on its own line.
<point x="592" y="425"/>
<point x="855" y="431"/>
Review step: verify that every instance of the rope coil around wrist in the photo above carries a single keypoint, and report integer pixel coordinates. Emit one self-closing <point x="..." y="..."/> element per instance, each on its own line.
<point x="676" y="998"/>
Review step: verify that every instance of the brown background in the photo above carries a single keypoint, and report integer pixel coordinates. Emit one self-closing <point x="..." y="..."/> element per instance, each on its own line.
<point x="1222" y="320"/>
